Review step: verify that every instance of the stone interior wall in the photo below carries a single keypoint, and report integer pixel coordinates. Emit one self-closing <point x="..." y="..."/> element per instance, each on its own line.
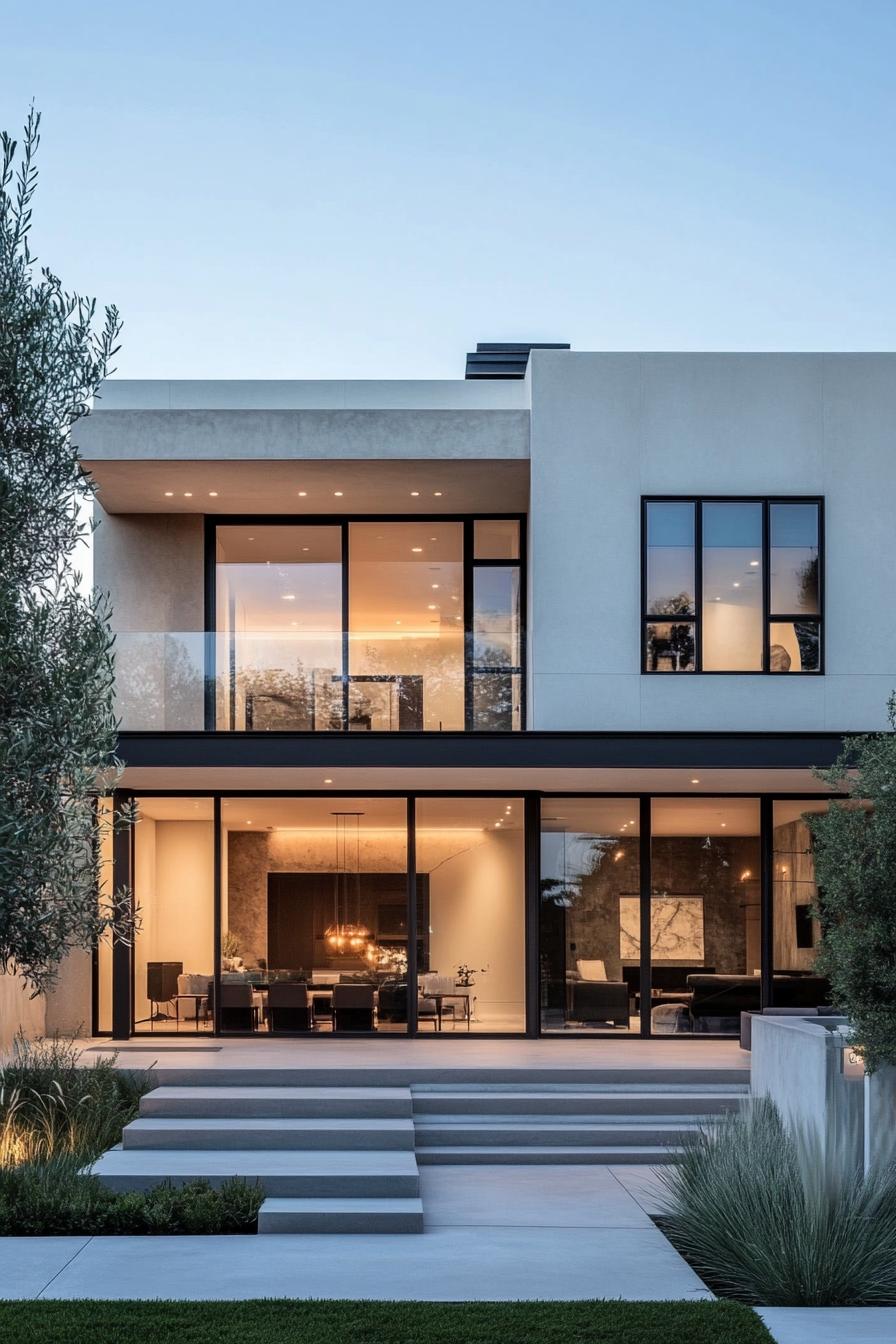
<point x="680" y="867"/>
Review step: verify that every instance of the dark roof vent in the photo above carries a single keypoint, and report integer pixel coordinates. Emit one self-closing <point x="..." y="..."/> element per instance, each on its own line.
<point x="503" y="359"/>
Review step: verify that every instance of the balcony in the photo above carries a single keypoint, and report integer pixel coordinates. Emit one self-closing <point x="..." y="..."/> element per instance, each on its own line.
<point x="320" y="680"/>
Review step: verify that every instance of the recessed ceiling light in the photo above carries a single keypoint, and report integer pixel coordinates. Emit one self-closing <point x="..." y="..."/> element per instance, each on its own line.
<point x="250" y="538"/>
<point x="415" y="494"/>
<point x="168" y="494"/>
<point x="338" y="494"/>
<point x="433" y="585"/>
<point x="417" y="549"/>
<point x="431" y="606"/>
<point x="695" y="781"/>
<point x="433" y="538"/>
<point x="213" y="494"/>
<point x="437" y="493"/>
<point x="398" y="622"/>
<point x="754" y="563"/>
<point x="735" y="585"/>
<point x="289" y="597"/>
<point x="188" y="494"/>
<point x="306" y="548"/>
<point x="328" y="781"/>
<point x="248" y="822"/>
<point x="302" y="494"/>
<point x="724" y="824"/>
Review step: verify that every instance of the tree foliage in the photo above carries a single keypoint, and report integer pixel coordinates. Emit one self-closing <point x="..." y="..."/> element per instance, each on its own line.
<point x="855" y="870"/>
<point x="57" y="724"/>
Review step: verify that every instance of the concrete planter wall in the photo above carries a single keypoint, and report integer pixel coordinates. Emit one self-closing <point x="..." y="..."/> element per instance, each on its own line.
<point x="799" y="1064"/>
<point x="806" y="1067"/>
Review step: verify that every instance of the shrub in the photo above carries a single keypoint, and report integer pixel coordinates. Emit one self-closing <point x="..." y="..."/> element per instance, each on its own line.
<point x="762" y="1216"/>
<point x="56" y="1117"/>
<point x="51" y="1104"/>
<point x="56" y="1199"/>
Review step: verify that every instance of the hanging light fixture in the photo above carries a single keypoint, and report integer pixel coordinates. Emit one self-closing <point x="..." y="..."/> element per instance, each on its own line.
<point x="347" y="936"/>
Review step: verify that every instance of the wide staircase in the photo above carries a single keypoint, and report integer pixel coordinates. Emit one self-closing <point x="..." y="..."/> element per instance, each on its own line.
<point x="344" y="1158"/>
<point x="564" y="1123"/>
<point x="329" y="1159"/>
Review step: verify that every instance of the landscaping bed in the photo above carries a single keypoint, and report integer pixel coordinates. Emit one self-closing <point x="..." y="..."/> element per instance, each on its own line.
<point x="56" y="1117"/>
<point x="273" y="1322"/>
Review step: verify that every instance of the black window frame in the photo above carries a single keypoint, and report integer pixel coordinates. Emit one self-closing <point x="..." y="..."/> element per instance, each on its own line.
<point x="768" y="617"/>
<point x="344" y="521"/>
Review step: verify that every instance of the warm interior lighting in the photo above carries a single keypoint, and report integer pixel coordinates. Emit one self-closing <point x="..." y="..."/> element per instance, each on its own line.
<point x="289" y="597"/>
<point x="346" y="934"/>
<point x="695" y="781"/>
<point x="213" y="494"/>
<point x="417" y="550"/>
<point x="168" y="494"/>
<point x="338" y="494"/>
<point x="437" y="493"/>
<point x="188" y="494"/>
<point x="328" y="781"/>
<point x="754" y="563"/>
<point x="302" y="494"/>
<point x="415" y="494"/>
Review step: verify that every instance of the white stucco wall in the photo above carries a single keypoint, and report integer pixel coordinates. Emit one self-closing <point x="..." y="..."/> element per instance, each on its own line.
<point x="607" y="429"/>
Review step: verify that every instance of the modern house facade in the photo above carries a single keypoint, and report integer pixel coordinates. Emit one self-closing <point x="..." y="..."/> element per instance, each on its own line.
<point x="488" y="706"/>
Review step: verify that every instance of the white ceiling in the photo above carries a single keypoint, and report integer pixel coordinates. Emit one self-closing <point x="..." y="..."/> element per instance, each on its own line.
<point x="272" y="486"/>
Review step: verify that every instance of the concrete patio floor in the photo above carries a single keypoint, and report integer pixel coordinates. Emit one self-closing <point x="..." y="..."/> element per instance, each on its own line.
<point x="455" y="1053"/>
<point x="831" y="1325"/>
<point x="491" y="1234"/>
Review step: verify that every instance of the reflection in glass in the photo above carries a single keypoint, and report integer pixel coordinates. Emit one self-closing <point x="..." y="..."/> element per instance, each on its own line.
<point x="472" y="957"/>
<point x="796" y="930"/>
<point x="793" y="539"/>
<point x="496" y="617"/>
<point x="406" y="643"/>
<point x="670" y="559"/>
<point x="732" y="587"/>
<point x="794" y="646"/>
<point x="497" y="701"/>
<point x="278" y="650"/>
<point x="174" y="884"/>
<point x="670" y="647"/>
<point x="705" y="914"/>
<point x="496" y="539"/>
<point x="588" y="979"/>
<point x="314" y="915"/>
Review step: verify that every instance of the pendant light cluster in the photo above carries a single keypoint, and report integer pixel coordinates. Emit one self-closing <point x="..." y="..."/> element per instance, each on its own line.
<point x="347" y="936"/>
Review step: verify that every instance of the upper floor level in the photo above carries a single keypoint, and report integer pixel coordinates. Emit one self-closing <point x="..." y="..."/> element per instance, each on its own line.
<point x="583" y="548"/>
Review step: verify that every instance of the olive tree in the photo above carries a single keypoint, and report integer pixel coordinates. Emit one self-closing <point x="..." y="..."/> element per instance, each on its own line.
<point x="855" y="870"/>
<point x="57" y="724"/>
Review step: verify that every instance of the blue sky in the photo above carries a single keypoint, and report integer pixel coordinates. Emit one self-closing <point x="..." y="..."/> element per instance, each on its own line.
<point x="366" y="189"/>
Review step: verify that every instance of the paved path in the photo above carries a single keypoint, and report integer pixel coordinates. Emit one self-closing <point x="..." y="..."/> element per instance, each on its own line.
<point x="491" y="1233"/>
<point x="831" y="1325"/>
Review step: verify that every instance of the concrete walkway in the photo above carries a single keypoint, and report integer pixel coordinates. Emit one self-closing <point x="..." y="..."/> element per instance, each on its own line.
<point x="491" y="1234"/>
<point x="831" y="1325"/>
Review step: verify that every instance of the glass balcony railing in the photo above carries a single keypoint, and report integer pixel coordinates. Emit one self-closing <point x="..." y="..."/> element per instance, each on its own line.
<point x="270" y="681"/>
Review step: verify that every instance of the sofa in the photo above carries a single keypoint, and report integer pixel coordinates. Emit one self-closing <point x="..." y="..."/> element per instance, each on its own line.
<point x="725" y="997"/>
<point x="604" y="1001"/>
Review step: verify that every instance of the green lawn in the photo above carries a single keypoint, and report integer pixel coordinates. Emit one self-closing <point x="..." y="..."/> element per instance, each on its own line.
<point x="270" y="1322"/>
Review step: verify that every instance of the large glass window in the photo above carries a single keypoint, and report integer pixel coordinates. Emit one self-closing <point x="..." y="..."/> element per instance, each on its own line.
<point x="406" y="632"/>
<point x="751" y="600"/>
<point x="704" y="914"/>
<point x="471" y="922"/>
<point x="367" y="626"/>
<point x="174" y="895"/>
<point x="279" y="622"/>
<point x="314" y="915"/>
<point x="588" y="914"/>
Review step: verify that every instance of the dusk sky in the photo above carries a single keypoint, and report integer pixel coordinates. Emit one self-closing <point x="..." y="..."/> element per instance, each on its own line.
<point x="296" y="190"/>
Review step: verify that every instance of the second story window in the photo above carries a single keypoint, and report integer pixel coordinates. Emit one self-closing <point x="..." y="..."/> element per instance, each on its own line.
<point x="731" y="585"/>
<point x="366" y="624"/>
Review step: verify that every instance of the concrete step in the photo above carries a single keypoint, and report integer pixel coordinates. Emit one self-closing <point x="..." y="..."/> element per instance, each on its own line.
<point x="341" y="1215"/>
<point x="598" y="1155"/>
<point x="551" y="1132"/>
<point x="178" y="1133"/>
<point x="592" y="1102"/>
<point x="344" y="1074"/>
<point x="308" y="1175"/>
<point x="272" y="1102"/>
